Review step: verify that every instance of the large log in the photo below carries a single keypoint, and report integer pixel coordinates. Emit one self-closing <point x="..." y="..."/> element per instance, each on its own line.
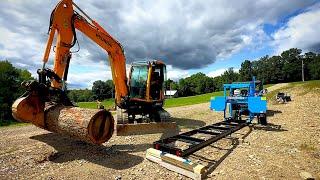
<point x="90" y="125"/>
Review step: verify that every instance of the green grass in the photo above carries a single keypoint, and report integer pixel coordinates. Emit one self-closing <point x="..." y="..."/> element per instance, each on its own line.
<point x="183" y="101"/>
<point x="108" y="104"/>
<point x="174" y="102"/>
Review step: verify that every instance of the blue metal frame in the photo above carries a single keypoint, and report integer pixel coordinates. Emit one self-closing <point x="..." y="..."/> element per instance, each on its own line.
<point x="254" y="102"/>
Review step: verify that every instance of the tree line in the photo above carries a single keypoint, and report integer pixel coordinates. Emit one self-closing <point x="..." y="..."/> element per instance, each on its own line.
<point x="10" y="87"/>
<point x="100" y="90"/>
<point x="286" y="67"/>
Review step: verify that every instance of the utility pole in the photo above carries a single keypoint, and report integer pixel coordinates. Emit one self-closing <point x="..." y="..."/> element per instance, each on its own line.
<point x="302" y="69"/>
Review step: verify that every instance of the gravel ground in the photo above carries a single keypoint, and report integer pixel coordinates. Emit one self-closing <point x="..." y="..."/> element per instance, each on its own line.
<point x="289" y="148"/>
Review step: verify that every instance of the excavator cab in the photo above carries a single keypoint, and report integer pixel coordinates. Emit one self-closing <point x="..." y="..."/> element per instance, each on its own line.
<point x="144" y="75"/>
<point x="146" y="100"/>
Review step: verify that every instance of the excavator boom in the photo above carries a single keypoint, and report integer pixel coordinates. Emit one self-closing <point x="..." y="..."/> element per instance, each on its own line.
<point x="63" y="22"/>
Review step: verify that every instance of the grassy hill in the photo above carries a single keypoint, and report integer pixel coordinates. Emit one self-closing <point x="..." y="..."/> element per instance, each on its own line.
<point x="305" y="87"/>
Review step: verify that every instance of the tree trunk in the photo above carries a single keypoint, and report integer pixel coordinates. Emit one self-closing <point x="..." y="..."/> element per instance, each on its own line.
<point x="91" y="125"/>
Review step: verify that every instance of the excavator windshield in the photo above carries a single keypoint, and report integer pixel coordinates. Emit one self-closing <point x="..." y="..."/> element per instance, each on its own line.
<point x="138" y="81"/>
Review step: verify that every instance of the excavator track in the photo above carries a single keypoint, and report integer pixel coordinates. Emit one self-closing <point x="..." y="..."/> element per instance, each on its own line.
<point x="163" y="115"/>
<point x="159" y="122"/>
<point x="122" y="116"/>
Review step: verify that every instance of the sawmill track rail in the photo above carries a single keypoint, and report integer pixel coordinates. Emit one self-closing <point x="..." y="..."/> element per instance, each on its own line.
<point x="216" y="131"/>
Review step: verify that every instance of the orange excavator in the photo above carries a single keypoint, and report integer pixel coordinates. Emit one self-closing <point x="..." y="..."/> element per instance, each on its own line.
<point x="139" y="98"/>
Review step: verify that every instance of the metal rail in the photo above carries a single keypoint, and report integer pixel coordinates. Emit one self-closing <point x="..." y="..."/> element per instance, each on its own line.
<point x="217" y="131"/>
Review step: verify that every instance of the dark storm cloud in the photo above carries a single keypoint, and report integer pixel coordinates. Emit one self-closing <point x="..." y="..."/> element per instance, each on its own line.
<point x="185" y="34"/>
<point x="315" y="47"/>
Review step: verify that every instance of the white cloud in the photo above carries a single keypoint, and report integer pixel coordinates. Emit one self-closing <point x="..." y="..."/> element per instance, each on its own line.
<point x="184" y="34"/>
<point x="218" y="72"/>
<point x="301" y="31"/>
<point x="83" y="76"/>
<point x="176" y="74"/>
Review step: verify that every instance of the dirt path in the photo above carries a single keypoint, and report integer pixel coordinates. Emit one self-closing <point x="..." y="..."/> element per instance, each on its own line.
<point x="277" y="86"/>
<point x="289" y="146"/>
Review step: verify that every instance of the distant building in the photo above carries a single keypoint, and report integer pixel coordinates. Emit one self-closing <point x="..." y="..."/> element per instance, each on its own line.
<point x="171" y="93"/>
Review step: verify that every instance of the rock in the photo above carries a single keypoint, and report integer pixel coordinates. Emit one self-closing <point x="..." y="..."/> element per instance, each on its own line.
<point x="306" y="175"/>
<point x="117" y="178"/>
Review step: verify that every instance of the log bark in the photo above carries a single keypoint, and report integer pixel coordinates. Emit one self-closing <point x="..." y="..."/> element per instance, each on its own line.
<point x="91" y="125"/>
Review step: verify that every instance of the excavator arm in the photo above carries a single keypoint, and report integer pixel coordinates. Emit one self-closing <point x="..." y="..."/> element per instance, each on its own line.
<point x="64" y="21"/>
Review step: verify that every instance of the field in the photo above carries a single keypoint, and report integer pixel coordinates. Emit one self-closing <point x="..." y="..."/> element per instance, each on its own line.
<point x="173" y="102"/>
<point x="108" y="104"/>
<point x="288" y="148"/>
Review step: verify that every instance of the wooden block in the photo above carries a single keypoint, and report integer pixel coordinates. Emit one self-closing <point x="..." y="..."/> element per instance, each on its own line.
<point x="174" y="168"/>
<point x="170" y="160"/>
<point x="146" y="128"/>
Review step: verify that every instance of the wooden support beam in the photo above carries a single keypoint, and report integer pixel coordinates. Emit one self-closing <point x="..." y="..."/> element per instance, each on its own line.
<point x="146" y="128"/>
<point x="177" y="164"/>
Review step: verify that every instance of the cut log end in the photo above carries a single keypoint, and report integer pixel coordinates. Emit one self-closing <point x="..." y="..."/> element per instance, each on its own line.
<point x="91" y="125"/>
<point x="101" y="127"/>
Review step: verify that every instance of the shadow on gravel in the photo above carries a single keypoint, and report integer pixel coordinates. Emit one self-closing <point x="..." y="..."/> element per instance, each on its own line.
<point x="272" y="112"/>
<point x="183" y="123"/>
<point x="67" y="149"/>
<point x="213" y="164"/>
<point x="188" y="123"/>
<point x="269" y="127"/>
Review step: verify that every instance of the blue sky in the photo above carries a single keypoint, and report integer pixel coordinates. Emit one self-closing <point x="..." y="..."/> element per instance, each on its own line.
<point x="189" y="36"/>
